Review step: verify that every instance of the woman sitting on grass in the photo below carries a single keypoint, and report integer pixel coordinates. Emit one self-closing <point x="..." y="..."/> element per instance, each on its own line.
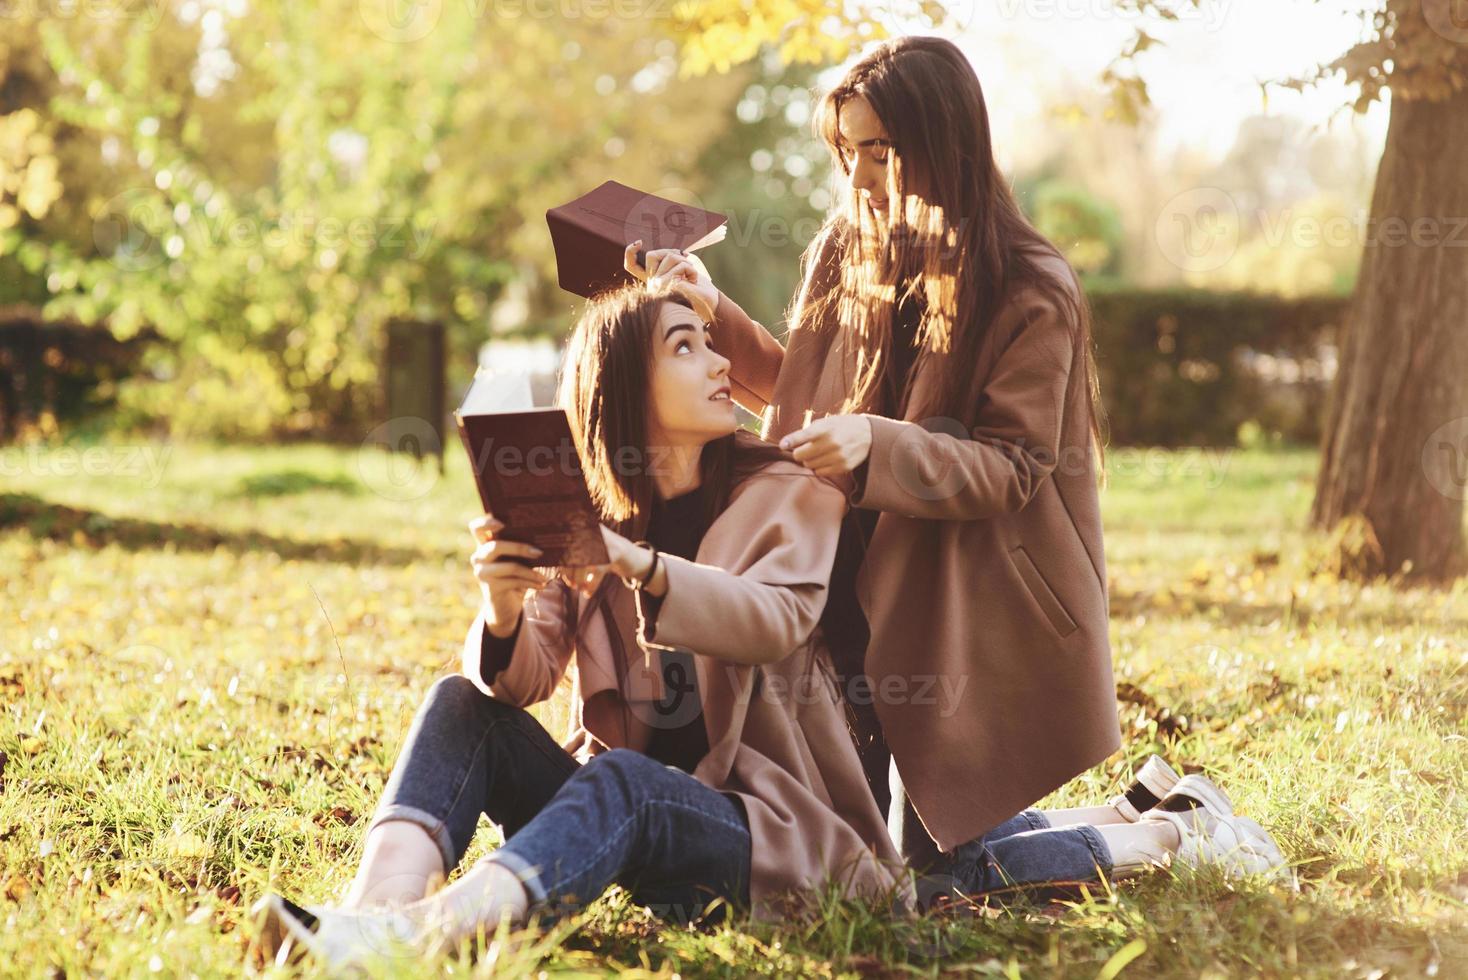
<point x="725" y="775"/>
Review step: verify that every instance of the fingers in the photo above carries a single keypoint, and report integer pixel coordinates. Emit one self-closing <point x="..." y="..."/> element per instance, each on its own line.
<point x="834" y="465"/>
<point x="630" y="263"/>
<point x="815" y="448"/>
<point x="679" y="270"/>
<point x="498" y="549"/>
<point x="484" y="528"/>
<point x="802" y="436"/>
<point x="656" y="260"/>
<point x="503" y="575"/>
<point x="700" y="302"/>
<point x="664" y="261"/>
<point x="814" y="454"/>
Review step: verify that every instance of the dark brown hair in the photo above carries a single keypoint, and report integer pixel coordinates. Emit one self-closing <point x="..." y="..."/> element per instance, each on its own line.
<point x="960" y="242"/>
<point x="604" y="389"/>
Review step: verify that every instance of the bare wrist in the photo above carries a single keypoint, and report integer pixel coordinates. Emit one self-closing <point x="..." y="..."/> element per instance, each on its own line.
<point x="502" y="630"/>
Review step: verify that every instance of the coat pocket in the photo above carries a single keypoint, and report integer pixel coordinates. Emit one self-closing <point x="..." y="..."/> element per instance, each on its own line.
<point x="1040" y="590"/>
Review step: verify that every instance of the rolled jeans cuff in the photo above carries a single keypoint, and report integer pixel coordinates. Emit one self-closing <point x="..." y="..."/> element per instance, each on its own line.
<point x="527" y="873"/>
<point x="1097" y="844"/>
<point x="1036" y="819"/>
<point x="436" y="829"/>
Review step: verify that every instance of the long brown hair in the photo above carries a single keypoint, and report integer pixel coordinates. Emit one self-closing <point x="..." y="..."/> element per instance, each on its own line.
<point x="604" y="389"/>
<point x="961" y="245"/>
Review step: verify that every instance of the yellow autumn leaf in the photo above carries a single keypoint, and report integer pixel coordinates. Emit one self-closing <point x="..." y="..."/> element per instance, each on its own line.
<point x="17" y="888"/>
<point x="189" y="845"/>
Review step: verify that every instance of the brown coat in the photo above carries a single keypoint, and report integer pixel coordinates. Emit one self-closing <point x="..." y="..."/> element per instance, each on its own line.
<point x="985" y="570"/>
<point x="776" y="731"/>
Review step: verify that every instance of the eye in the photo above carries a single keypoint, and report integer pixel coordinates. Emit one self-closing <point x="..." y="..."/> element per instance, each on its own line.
<point x="681" y="346"/>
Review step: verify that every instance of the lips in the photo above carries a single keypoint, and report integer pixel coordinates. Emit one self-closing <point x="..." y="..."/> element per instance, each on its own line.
<point x="721" y="395"/>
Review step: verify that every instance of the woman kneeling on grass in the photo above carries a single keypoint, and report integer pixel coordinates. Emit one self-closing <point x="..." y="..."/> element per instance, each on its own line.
<point x="721" y="774"/>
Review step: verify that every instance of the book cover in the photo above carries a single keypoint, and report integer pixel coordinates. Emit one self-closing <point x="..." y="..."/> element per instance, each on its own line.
<point x="529" y="477"/>
<point x="591" y="234"/>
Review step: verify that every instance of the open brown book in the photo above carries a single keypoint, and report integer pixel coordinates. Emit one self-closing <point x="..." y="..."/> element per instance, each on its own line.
<point x="591" y="233"/>
<point x="530" y="478"/>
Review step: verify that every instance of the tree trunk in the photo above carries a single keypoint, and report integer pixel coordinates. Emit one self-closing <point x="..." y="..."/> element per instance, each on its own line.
<point x="1395" y="448"/>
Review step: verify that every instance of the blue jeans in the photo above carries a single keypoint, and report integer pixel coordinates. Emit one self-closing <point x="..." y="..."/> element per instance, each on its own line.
<point x="1022" y="854"/>
<point x="571" y="830"/>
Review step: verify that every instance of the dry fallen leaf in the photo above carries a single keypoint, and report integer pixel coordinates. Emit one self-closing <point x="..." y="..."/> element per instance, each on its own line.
<point x="17" y="888"/>
<point x="188" y="845"/>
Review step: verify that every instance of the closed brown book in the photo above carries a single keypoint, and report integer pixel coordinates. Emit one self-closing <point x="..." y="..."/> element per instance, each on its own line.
<point x="530" y="478"/>
<point x="591" y="234"/>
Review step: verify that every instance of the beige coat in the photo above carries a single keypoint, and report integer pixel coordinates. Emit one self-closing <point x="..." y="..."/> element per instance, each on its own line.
<point x="985" y="570"/>
<point x="776" y="731"/>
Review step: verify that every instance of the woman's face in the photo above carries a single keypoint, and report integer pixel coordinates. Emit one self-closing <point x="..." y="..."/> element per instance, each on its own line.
<point x="867" y="150"/>
<point x="690" y="396"/>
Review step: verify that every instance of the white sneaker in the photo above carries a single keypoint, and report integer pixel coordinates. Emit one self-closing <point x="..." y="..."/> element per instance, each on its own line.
<point x="1152" y="782"/>
<point x="343" y="942"/>
<point x="1211" y="834"/>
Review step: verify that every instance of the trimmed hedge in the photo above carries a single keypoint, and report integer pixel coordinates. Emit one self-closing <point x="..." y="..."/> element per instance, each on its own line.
<point x="1177" y="367"/>
<point x="62" y="369"/>
<point x="1191" y="367"/>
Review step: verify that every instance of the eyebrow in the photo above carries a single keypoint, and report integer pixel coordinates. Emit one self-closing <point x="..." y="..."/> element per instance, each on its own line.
<point x="682" y="326"/>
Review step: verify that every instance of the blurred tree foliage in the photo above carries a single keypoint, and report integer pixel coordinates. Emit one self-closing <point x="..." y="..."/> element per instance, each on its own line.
<point x="772" y="177"/>
<point x="266" y="190"/>
<point x="266" y="185"/>
<point x="719" y="34"/>
<point x="1086" y="228"/>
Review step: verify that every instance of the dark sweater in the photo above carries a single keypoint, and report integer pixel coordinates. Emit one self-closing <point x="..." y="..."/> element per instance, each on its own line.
<point x="843" y="623"/>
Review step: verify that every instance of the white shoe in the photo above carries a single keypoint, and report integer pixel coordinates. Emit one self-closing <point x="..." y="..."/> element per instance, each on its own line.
<point x="1209" y="832"/>
<point x="343" y="942"/>
<point x="1152" y="782"/>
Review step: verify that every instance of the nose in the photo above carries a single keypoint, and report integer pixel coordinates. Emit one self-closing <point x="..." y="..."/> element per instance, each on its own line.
<point x="867" y="177"/>
<point x="720" y="366"/>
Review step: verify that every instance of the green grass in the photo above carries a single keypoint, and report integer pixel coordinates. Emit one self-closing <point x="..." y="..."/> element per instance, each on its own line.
<point x="209" y="657"/>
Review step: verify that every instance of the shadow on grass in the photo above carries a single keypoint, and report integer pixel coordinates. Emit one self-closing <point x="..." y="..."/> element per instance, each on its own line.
<point x="75" y="525"/>
<point x="282" y="483"/>
<point x="1231" y="612"/>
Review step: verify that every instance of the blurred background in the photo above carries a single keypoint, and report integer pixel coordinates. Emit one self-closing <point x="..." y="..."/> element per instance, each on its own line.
<point x="252" y="253"/>
<point x="258" y="221"/>
<point x="256" y="189"/>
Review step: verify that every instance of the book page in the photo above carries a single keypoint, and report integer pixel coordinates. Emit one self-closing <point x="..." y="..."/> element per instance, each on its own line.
<point x="494" y="391"/>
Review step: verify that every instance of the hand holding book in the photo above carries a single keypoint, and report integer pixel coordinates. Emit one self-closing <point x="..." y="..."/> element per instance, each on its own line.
<point x="683" y="270"/>
<point x="590" y="233"/>
<point x="503" y="576"/>
<point x="539" y="515"/>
